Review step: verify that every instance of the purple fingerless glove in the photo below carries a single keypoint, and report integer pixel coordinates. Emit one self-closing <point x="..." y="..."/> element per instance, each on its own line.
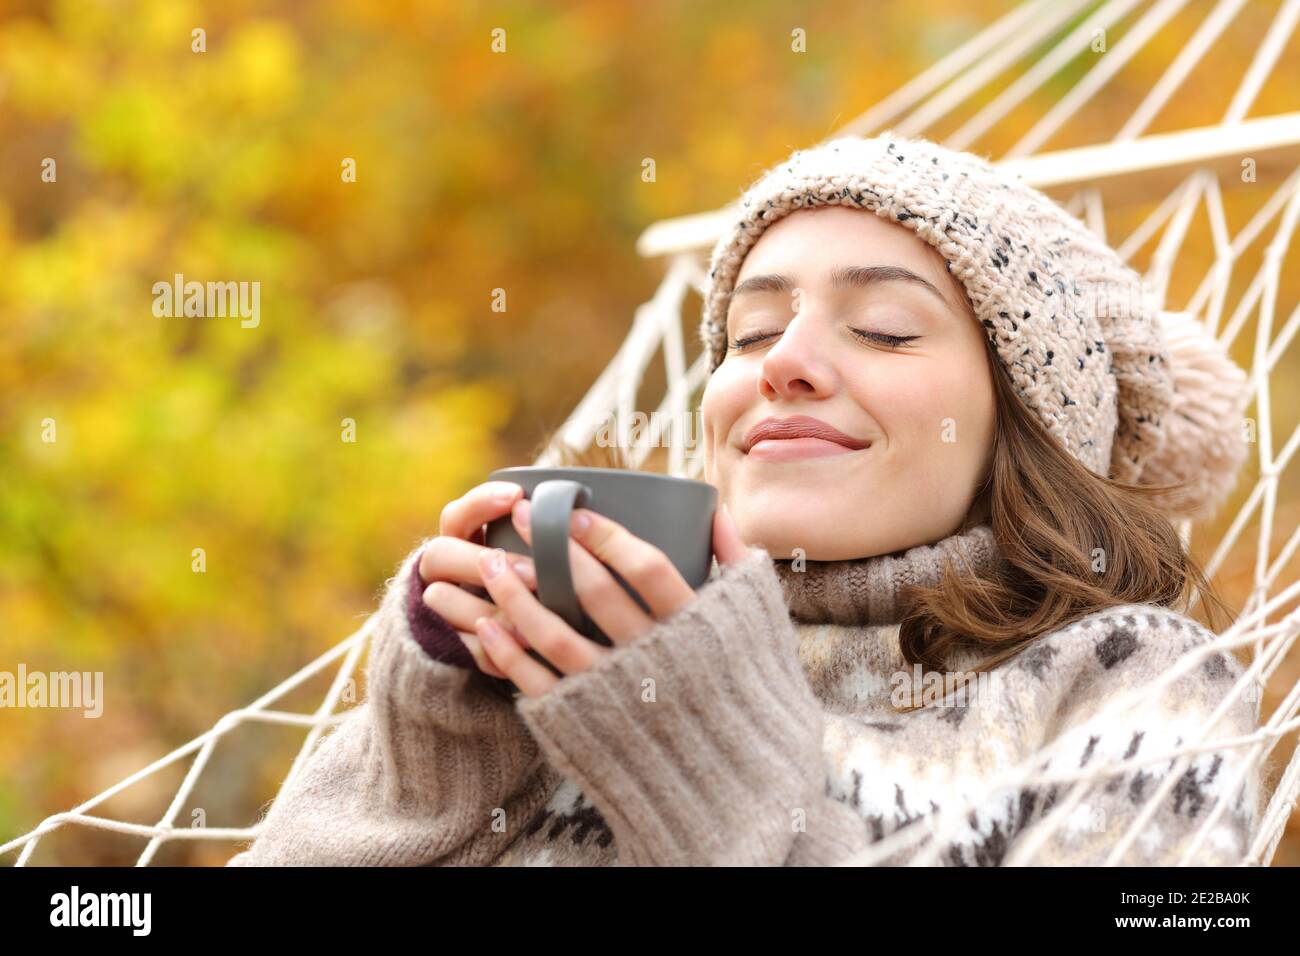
<point x="430" y="629"/>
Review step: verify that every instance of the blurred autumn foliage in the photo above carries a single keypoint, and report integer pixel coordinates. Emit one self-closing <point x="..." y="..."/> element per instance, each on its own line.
<point x="475" y="172"/>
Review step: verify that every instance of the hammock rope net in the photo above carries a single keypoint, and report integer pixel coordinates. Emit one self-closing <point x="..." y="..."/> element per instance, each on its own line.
<point x="1199" y="173"/>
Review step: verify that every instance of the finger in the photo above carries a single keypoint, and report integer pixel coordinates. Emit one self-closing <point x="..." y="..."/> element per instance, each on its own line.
<point x="606" y="602"/>
<point x="457" y="606"/>
<point x="642" y="565"/>
<point x="546" y="631"/>
<point x="481" y="504"/>
<point x="727" y="543"/>
<point x="453" y="559"/>
<point x="481" y="659"/>
<point x="532" y="679"/>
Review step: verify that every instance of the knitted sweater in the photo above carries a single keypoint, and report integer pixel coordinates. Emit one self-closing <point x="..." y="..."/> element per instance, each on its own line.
<point x="755" y="727"/>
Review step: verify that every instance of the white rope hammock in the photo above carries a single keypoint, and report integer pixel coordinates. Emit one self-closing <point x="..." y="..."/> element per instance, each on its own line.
<point x="1194" y="169"/>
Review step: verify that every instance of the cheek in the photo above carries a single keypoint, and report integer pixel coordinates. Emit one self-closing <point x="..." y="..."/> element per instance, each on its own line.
<point x="936" y="412"/>
<point x="722" y="404"/>
<point x="905" y="401"/>
<point x="712" y="431"/>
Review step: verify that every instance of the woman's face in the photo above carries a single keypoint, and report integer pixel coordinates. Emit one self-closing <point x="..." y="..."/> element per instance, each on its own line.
<point x="817" y="300"/>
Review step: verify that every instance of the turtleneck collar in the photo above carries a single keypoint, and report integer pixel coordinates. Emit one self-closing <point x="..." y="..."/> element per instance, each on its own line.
<point x="865" y="591"/>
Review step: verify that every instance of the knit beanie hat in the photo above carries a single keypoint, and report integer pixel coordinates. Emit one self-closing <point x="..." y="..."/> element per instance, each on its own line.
<point x="1134" y="392"/>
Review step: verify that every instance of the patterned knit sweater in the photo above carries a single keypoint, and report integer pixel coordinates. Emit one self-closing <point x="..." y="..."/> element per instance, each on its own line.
<point x="757" y="726"/>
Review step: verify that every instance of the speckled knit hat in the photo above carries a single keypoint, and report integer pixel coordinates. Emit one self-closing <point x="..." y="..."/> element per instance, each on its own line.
<point x="1134" y="392"/>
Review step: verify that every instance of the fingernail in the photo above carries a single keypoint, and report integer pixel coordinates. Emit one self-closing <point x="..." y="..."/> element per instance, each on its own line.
<point x="581" y="521"/>
<point x="506" y="496"/>
<point x="525" y="570"/>
<point x="493" y="562"/>
<point x="522" y="515"/>
<point x="488" y="628"/>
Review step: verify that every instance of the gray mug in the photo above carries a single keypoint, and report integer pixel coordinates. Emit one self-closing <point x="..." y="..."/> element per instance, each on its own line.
<point x="673" y="514"/>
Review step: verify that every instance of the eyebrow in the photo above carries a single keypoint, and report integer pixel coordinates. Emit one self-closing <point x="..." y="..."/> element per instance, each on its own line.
<point x="841" y="278"/>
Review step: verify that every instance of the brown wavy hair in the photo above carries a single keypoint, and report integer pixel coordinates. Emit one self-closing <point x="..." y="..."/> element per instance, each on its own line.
<point x="1049" y="515"/>
<point x="1051" y="519"/>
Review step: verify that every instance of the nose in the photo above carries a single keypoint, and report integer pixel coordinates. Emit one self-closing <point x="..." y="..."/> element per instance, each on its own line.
<point x="797" y="366"/>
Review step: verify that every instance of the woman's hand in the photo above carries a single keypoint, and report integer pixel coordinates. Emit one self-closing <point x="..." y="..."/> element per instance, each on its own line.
<point x="451" y="559"/>
<point x="596" y="541"/>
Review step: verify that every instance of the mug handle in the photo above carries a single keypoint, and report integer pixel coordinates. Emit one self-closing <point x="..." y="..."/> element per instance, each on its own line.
<point x="552" y="507"/>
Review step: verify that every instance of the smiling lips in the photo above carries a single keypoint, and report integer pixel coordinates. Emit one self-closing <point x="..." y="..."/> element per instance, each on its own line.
<point x="799" y="436"/>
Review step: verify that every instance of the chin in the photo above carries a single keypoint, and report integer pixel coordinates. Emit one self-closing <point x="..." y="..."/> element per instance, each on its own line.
<point x="817" y="539"/>
<point x="782" y="541"/>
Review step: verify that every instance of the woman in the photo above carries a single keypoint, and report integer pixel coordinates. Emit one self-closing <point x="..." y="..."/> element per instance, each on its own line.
<point x="952" y="429"/>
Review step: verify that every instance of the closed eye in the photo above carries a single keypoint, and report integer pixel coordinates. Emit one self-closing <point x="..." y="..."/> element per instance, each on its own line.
<point x="892" y="341"/>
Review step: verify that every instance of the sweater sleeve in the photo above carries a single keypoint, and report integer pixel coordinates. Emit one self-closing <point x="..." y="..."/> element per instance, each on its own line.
<point x="434" y="768"/>
<point x="700" y="742"/>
